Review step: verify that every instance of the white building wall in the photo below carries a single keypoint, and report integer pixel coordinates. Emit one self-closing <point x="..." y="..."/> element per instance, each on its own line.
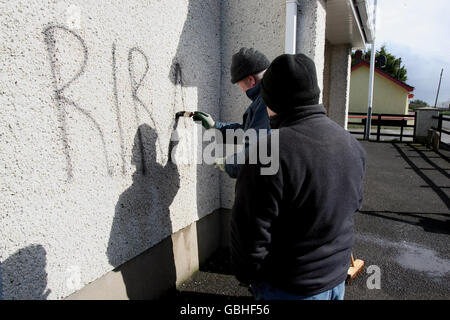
<point x="311" y="22"/>
<point x="338" y="90"/>
<point x="87" y="88"/>
<point x="79" y="78"/>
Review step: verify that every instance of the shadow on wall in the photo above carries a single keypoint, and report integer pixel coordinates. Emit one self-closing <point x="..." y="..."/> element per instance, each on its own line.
<point x="142" y="214"/>
<point x="142" y="211"/>
<point x="198" y="56"/>
<point x="23" y="275"/>
<point x="197" y="63"/>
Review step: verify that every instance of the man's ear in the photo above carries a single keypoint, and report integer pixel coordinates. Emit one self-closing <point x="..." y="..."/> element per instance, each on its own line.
<point x="251" y="81"/>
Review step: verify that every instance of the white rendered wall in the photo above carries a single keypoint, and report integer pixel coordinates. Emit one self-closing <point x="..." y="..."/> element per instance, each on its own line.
<point x="337" y="82"/>
<point x="311" y="23"/>
<point x="78" y="78"/>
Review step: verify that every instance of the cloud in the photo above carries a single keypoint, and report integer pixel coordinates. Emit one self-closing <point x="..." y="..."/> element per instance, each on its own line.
<point x="417" y="31"/>
<point x="417" y="24"/>
<point x="423" y="74"/>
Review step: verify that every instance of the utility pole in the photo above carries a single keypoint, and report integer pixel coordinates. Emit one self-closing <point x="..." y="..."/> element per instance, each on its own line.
<point x="371" y="75"/>
<point x="439" y="88"/>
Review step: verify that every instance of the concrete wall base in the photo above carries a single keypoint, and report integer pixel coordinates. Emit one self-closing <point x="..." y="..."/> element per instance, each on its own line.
<point x="164" y="266"/>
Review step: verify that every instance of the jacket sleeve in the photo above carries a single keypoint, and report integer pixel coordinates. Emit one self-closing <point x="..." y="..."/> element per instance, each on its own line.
<point x="232" y="167"/>
<point x="223" y="126"/>
<point x="257" y="202"/>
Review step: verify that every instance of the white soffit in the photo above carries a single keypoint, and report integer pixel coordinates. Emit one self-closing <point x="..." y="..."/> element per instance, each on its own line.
<point x="343" y="24"/>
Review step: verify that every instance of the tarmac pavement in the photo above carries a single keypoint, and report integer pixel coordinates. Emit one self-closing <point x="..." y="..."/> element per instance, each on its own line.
<point x="403" y="231"/>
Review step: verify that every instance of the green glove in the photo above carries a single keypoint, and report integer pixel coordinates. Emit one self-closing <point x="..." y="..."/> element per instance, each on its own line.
<point x="207" y="120"/>
<point x="219" y="163"/>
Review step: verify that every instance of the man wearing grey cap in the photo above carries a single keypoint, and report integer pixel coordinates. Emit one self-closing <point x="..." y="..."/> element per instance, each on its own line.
<point x="247" y="69"/>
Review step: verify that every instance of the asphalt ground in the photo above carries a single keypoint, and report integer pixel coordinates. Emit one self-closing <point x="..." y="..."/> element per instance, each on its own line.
<point x="402" y="231"/>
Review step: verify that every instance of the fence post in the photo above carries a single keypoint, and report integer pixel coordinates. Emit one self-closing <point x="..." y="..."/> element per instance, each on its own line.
<point x="401" y="132"/>
<point x="379" y="127"/>
<point x="415" y="125"/>
<point x="439" y="127"/>
<point x="362" y="120"/>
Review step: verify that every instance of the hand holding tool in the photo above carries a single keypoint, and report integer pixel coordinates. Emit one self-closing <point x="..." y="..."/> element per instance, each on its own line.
<point x="206" y="119"/>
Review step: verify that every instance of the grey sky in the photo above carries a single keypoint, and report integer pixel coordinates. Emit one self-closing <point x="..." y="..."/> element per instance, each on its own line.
<point x="418" y="32"/>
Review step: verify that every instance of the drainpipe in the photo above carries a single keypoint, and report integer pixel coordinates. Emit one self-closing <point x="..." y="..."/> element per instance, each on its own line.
<point x="371" y="76"/>
<point x="291" y="26"/>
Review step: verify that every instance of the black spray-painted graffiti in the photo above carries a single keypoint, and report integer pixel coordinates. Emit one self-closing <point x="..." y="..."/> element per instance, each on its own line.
<point x="135" y="85"/>
<point x="178" y="81"/>
<point x="133" y="53"/>
<point x="117" y="108"/>
<point x="62" y="101"/>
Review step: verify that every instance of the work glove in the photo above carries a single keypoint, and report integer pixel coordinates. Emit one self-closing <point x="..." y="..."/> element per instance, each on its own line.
<point x="206" y="119"/>
<point x="219" y="163"/>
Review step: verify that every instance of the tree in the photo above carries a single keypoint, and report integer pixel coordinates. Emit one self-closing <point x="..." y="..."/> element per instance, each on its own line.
<point x="393" y="65"/>
<point x="417" y="103"/>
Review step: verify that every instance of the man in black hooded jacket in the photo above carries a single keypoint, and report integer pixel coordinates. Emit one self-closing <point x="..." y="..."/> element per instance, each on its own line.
<point x="292" y="232"/>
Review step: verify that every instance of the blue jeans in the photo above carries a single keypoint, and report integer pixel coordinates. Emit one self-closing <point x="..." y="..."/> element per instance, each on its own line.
<point x="264" y="291"/>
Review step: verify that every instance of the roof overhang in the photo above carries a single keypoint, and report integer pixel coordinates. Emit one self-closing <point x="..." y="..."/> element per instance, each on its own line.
<point x="349" y="22"/>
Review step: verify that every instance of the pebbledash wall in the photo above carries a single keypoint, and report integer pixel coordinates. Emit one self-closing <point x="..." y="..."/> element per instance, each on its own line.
<point x="91" y="205"/>
<point x="88" y="94"/>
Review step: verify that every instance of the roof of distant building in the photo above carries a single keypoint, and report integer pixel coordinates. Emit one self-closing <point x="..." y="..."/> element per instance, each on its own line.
<point x="384" y="74"/>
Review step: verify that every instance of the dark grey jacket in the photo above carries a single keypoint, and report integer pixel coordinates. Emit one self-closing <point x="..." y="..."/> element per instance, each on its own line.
<point x="294" y="229"/>
<point x="255" y="117"/>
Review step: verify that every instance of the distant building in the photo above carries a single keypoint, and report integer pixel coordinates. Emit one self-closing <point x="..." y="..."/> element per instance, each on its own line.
<point x="389" y="94"/>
